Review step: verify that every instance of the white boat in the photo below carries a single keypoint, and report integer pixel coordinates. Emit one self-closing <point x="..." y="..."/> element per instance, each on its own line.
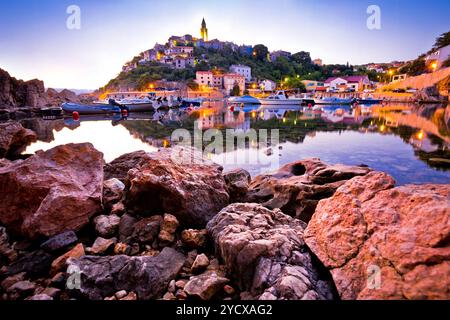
<point x="280" y="98"/>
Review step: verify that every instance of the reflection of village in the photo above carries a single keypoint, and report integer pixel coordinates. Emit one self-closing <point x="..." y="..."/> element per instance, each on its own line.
<point x="425" y="128"/>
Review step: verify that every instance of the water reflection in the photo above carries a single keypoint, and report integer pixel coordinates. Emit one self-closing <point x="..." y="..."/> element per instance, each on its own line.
<point x="410" y="142"/>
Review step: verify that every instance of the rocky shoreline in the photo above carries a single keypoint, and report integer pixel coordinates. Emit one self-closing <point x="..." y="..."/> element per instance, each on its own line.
<point x="147" y="227"/>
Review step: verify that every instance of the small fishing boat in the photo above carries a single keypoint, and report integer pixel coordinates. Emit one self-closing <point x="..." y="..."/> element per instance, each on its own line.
<point x="334" y="101"/>
<point x="89" y="108"/>
<point x="244" y="99"/>
<point x="369" y="101"/>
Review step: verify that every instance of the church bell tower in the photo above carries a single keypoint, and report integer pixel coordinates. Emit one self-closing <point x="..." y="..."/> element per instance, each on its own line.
<point x="204" y="31"/>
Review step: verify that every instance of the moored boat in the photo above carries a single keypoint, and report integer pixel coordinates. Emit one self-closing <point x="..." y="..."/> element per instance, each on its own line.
<point x="89" y="108"/>
<point x="247" y="99"/>
<point x="280" y="98"/>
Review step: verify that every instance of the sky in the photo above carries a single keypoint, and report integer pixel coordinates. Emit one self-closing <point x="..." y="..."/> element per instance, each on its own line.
<point x="36" y="43"/>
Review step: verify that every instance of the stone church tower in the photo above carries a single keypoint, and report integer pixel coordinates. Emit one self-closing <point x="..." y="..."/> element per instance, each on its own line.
<point x="204" y="31"/>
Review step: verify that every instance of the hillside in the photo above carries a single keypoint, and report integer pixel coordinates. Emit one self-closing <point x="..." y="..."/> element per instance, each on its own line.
<point x="298" y="66"/>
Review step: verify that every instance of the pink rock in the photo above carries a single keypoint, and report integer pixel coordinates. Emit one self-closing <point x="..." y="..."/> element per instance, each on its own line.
<point x="52" y="191"/>
<point x="381" y="242"/>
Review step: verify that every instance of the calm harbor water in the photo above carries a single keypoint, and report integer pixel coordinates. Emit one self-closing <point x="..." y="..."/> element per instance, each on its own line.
<point x="409" y="142"/>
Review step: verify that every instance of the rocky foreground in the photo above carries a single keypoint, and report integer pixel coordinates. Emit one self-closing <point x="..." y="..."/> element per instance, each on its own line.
<point x="147" y="227"/>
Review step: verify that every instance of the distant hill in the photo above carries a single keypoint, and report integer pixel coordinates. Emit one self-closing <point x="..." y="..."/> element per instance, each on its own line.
<point x="297" y="66"/>
<point x="77" y="91"/>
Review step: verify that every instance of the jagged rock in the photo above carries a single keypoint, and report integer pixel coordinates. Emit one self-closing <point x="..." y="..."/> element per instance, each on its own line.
<point x="17" y="93"/>
<point x="205" y="286"/>
<point x="165" y="238"/>
<point x="146" y="230"/>
<point x="106" y="226"/>
<point x="297" y="187"/>
<point x="193" y="192"/>
<point x="201" y="262"/>
<point x="7" y="252"/>
<point x="118" y="209"/>
<point x="14" y="138"/>
<point x="21" y="289"/>
<point x="126" y="226"/>
<point x="130" y="296"/>
<point x="60" y="189"/>
<point x="120" y="294"/>
<point x="41" y="297"/>
<point x="58" y="280"/>
<point x="60" y="241"/>
<point x="148" y="277"/>
<point x="169" y="296"/>
<point x="59" y="263"/>
<point x="118" y="168"/>
<point x="112" y="192"/>
<point x="36" y="263"/>
<point x="52" y="292"/>
<point x="9" y="281"/>
<point x="238" y="182"/>
<point x="381" y="242"/>
<point x="169" y="226"/>
<point x="194" y="238"/>
<point x="264" y="251"/>
<point x="102" y="245"/>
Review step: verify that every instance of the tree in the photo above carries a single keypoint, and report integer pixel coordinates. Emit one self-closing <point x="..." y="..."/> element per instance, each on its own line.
<point x="442" y="41"/>
<point x="302" y="57"/>
<point x="260" y="52"/>
<point x="236" y="91"/>
<point x="192" y="84"/>
<point x="293" y="83"/>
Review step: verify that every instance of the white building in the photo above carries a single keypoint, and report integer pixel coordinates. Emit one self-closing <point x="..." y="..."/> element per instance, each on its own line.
<point x="244" y="71"/>
<point x="438" y="57"/>
<point x="204" y="78"/>
<point x="267" y="85"/>
<point x="230" y="79"/>
<point x="356" y="83"/>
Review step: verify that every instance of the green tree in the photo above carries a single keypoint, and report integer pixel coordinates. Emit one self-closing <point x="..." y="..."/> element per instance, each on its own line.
<point x="293" y="83"/>
<point x="442" y="41"/>
<point x="302" y="57"/>
<point x="236" y="91"/>
<point x="260" y="52"/>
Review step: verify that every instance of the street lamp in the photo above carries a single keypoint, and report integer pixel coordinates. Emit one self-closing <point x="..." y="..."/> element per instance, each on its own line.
<point x="434" y="66"/>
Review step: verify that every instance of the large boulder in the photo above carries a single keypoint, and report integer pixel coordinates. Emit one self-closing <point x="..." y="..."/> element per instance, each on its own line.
<point x="14" y="138"/>
<point x="118" y="168"/>
<point x="381" y="242"/>
<point x="238" y="181"/>
<point x="52" y="191"/>
<point x="148" y="277"/>
<point x="297" y="187"/>
<point x="265" y="253"/>
<point x="194" y="192"/>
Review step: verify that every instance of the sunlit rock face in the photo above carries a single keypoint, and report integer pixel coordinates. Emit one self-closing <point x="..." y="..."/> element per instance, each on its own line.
<point x="52" y="191"/>
<point x="14" y="138"/>
<point x="297" y="187"/>
<point x="382" y="242"/>
<point x="264" y="251"/>
<point x="158" y="183"/>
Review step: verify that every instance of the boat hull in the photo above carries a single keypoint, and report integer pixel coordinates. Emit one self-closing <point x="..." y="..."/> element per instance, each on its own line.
<point x="89" y="108"/>
<point x="104" y="108"/>
<point x="274" y="102"/>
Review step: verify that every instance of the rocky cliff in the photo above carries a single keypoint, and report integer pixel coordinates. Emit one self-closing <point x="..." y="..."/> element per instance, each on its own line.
<point x="18" y="96"/>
